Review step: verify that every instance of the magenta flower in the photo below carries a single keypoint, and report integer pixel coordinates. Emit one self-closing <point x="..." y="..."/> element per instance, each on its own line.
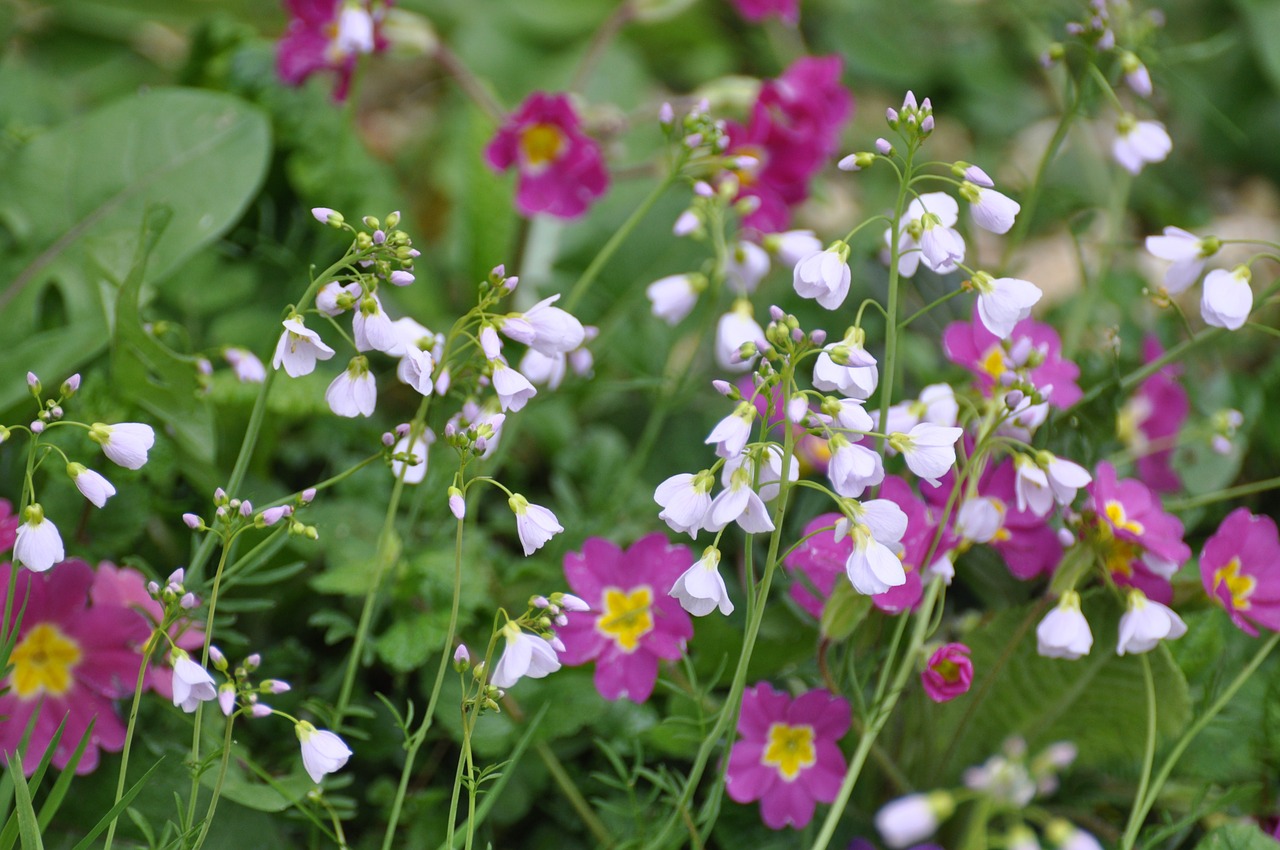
<point x="328" y="35"/>
<point x="1150" y="421"/>
<point x="756" y="11"/>
<point x="632" y="622"/>
<point x="948" y="674"/>
<point x="561" y="168"/>
<point x="788" y="757"/>
<point x="1142" y="544"/>
<point x="794" y="129"/>
<point x="1240" y="568"/>
<point x="9" y="523"/>
<point x="1033" y="350"/>
<point x="1026" y="542"/>
<point x="71" y="660"/>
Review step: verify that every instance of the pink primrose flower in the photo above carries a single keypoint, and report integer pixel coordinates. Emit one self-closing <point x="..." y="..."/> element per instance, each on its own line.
<point x="1143" y="544"/>
<point x="1240" y="568"/>
<point x="755" y="11"/>
<point x="1154" y="416"/>
<point x="788" y="756"/>
<point x="948" y="674"/>
<point x="9" y="523"/>
<point x="632" y="623"/>
<point x="1033" y="349"/>
<point x="328" y="35"/>
<point x="71" y="660"/>
<point x="561" y="168"/>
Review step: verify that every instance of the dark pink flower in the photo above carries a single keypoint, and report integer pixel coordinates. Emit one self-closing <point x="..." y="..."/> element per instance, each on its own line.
<point x="788" y="757"/>
<point x="1141" y="544"/>
<point x="561" y="168"/>
<point x="949" y="673"/>
<point x="1150" y="421"/>
<point x="71" y="660"/>
<point x="1033" y="349"/>
<point x="9" y="523"/>
<point x="756" y="11"/>
<point x="793" y="130"/>
<point x="633" y="622"/>
<point x="1240" y="568"/>
<point x="328" y="35"/>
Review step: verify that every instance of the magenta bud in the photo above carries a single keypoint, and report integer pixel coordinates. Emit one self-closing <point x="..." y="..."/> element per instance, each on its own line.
<point x="273" y="515"/>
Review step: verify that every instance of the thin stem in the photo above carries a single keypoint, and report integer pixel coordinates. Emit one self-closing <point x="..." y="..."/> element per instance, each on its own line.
<point x="891" y="309"/>
<point x="604" y="34"/>
<point x="571" y="792"/>
<point x="128" y="735"/>
<point x="1222" y="495"/>
<point x="204" y="662"/>
<point x="217" y="788"/>
<point x="929" y="307"/>
<point x="1148" y="756"/>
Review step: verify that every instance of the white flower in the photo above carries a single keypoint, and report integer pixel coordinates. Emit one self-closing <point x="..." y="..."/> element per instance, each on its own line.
<point x="745" y="267"/>
<point x="415" y="472"/>
<point x="534" y="524"/>
<point x="125" y="444"/>
<point x="977" y="176"/>
<point x="941" y="247"/>
<point x="930" y="450"/>
<point x="932" y="211"/>
<point x="1065" y="478"/>
<point x="490" y="344"/>
<point x="1140" y="142"/>
<point x="354" y="392"/>
<point x="685" y="499"/>
<point x="793" y="245"/>
<point x="673" y="297"/>
<point x="1064" y="632"/>
<point x="739" y="502"/>
<point x="411" y="332"/>
<point x="852" y="468"/>
<point x="1004" y="301"/>
<point x="555" y="331"/>
<point x="355" y="31"/>
<point x="1136" y="75"/>
<point x="513" y="389"/>
<point x="415" y="368"/>
<point x="299" y="348"/>
<point x="91" y="485"/>
<point x="192" y="684"/>
<point x="701" y="589"/>
<point x="979" y="519"/>
<point x="322" y="751"/>
<point x="1031" y="486"/>
<point x="524" y="655"/>
<point x="769" y="474"/>
<point x="846" y="367"/>
<point x="824" y="276"/>
<point x="1186" y="251"/>
<point x="1066" y="836"/>
<point x="734" y="330"/>
<point x="543" y="369"/>
<point x="1145" y="623"/>
<point x="873" y="567"/>
<point x="246" y="365"/>
<point x="1227" y="298"/>
<point x="730" y="434"/>
<point x="991" y="210"/>
<point x="334" y="299"/>
<point x="936" y="404"/>
<point x="911" y="819"/>
<point x="38" y="545"/>
<point x="372" y="327"/>
<point x="853" y="416"/>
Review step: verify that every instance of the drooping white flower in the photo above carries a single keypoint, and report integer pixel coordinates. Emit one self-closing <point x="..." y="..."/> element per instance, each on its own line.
<point x="125" y="444"/>
<point x="734" y="330"/>
<point x="979" y="519"/>
<point x="1065" y="478"/>
<point x="322" y="751"/>
<point x="299" y="348"/>
<point x="524" y="655"/>
<point x="930" y="450"/>
<point x="685" y="499"/>
<point x="1187" y="253"/>
<point x="1031" y="486"/>
<point x="334" y="299"/>
<point x="1064" y="632"/>
<point x="555" y="331"/>
<point x="1004" y="301"/>
<point x="852" y="415"/>
<point x="876" y="527"/>
<point x="934" y="211"/>
<point x="942" y="247"/>
<point x="911" y="819"/>
<point x="673" y="297"/>
<point x="535" y="525"/>
<point x="739" y="502"/>
<point x="731" y="433"/>
<point x="192" y="684"/>
<point x="793" y="245"/>
<point x="513" y="389"/>
<point x="852" y="468"/>
<point x="700" y="589"/>
<point x="846" y="367"/>
<point x="91" y="485"/>
<point x="936" y="404"/>
<point x="413" y="472"/>
<point x="415" y="368"/>
<point x="745" y="267"/>
<point x="769" y="473"/>
<point x="1145" y="623"/>
<point x="1140" y="142"/>
<point x="372" y="328"/>
<point x="992" y="210"/>
<point x="1227" y="298"/>
<point x="824" y="276"/>
<point x="543" y="369"/>
<point x="354" y="392"/>
<point x="38" y="545"/>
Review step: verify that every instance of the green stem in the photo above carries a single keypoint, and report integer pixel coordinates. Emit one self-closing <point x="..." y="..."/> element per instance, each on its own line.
<point x="1222" y="495"/>
<point x="1148" y="755"/>
<point x="571" y="792"/>
<point x="128" y="736"/>
<point x="891" y="309"/>
<point x="929" y="307"/>
<point x="217" y="788"/>
<point x="204" y="662"/>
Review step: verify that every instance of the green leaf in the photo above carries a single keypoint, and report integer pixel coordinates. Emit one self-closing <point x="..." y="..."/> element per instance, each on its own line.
<point x="1237" y="836"/>
<point x="1263" y="18"/>
<point x="116" y="810"/>
<point x="845" y="609"/>
<point x="28" y="827"/>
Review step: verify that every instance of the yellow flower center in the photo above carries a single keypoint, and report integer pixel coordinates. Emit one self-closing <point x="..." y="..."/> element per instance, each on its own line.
<point x="993" y="362"/>
<point x="790" y="749"/>
<point x="948" y="670"/>
<point x="627" y="616"/>
<point x="1115" y="513"/>
<point x="1241" y="586"/>
<point x="542" y="144"/>
<point x="43" y="661"/>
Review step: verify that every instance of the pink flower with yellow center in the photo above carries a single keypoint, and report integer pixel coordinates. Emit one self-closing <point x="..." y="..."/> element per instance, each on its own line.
<point x="561" y="168"/>
<point x="1140" y="543"/>
<point x="788" y="756"/>
<point x="1150" y="420"/>
<point x="948" y="674"/>
<point x="329" y="35"/>
<point x="1240" y="568"/>
<point x="71" y="660"/>
<point x="1033" y="350"/>
<point x="632" y="622"/>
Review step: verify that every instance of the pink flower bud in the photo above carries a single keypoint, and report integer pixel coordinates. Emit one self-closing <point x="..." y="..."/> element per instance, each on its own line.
<point x="275" y="686"/>
<point x="227" y="698"/>
<point x="260" y="709"/>
<point x="308" y="496"/>
<point x="573" y="603"/>
<point x="33" y="381"/>
<point x="401" y="278"/>
<point x="273" y="515"/>
<point x="178" y="576"/>
<point x="188" y="601"/>
<point x="37" y="427"/>
<point x="215" y="655"/>
<point x="193" y="522"/>
<point x="253" y="662"/>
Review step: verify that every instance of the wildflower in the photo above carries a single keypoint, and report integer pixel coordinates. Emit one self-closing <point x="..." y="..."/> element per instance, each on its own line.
<point x="372" y="328"/>
<point x="1186" y="251"/>
<point x="930" y="450"/>
<point x="700" y="589"/>
<point x="1143" y="544"/>
<point x="1032" y="352"/>
<point x="936" y="404"/>
<point x="755" y="11"/>
<point x="673" y="297"/>
<point x="125" y="444"/>
<point x="824" y="276"/>
<point x="979" y="519"/>
<point x="929" y="221"/>
<point x="354" y="392"/>
<point x="949" y="673"/>
<point x="852" y="468"/>
<point x="326" y="35"/>
<point x="555" y="331"/>
<point x="736" y="329"/>
<point x="793" y="246"/>
<point x="192" y="684"/>
<point x="1227" y="298"/>
<point x="38" y="545"/>
<point x="873" y="567"/>
<point x="1004" y="301"/>
<point x="1145" y="623"/>
<point x="745" y="266"/>
<point x="1139" y="142"/>
<point x="513" y="389"/>
<point x="1064" y="632"/>
<point x="1136" y="75"/>
<point x="299" y="348"/>
<point x="1240" y="569"/>
<point x="911" y="819"/>
<point x="763" y="464"/>
<point x="91" y="485"/>
<point x="730" y="434"/>
<point x="525" y="655"/>
<point x="322" y="751"/>
<point x="561" y="169"/>
<point x="685" y="499"/>
<point x="70" y="661"/>
<point x="846" y="367"/>
<point x="739" y="503"/>
<point x="334" y="299"/>
<point x="246" y="365"/>
<point x="534" y="524"/>
<point x="787" y="755"/>
<point x="991" y="210"/>
<point x="415" y="369"/>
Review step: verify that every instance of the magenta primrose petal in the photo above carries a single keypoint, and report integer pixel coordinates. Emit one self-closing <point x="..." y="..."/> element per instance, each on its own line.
<point x="1153" y="417"/>
<point x="757" y="10"/>
<point x="948" y="674"/>
<point x="788" y="755"/>
<point x="1033" y="347"/>
<point x="632" y="623"/>
<point x="326" y="35"/>
<point x="561" y="169"/>
<point x="1143" y="544"/>
<point x="71" y="660"/>
<point x="1240" y="568"/>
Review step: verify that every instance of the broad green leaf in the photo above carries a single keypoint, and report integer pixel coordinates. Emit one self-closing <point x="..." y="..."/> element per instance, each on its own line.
<point x="1237" y="836"/>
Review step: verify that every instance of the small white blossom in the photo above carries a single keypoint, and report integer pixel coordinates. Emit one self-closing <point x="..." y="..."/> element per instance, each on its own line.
<point x="1187" y="253"/>
<point x="846" y="367"/>
<point x="91" y="485"/>
<point x="739" y="503"/>
<point x="1004" y="301"/>
<point x="992" y="211"/>
<point x="524" y="655"/>
<point x="513" y="389"/>
<point x="354" y="392"/>
<point x="372" y="328"/>
<point x="852" y="468"/>
<point x="700" y="589"/>
<point x="911" y="819"/>
<point x="555" y="331"/>
<point x="979" y="519"/>
<point x="535" y="525"/>
<point x="1227" y="298"/>
<point x="734" y="330"/>
<point x="685" y="499"/>
<point x="1145" y="623"/>
<point x="415" y="368"/>
<point x="322" y="751"/>
<point x="731" y="433"/>
<point x="334" y="299"/>
<point x="873" y="566"/>
<point x="674" y="297"/>
<point x="824" y="276"/>
<point x="745" y="267"/>
<point x="1140" y="142"/>
<point x="38" y="545"/>
<point x="1064" y="632"/>
<point x="930" y="450"/>
<point x="793" y="245"/>
<point x="192" y="684"/>
<point x="299" y="348"/>
<point x="125" y="444"/>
